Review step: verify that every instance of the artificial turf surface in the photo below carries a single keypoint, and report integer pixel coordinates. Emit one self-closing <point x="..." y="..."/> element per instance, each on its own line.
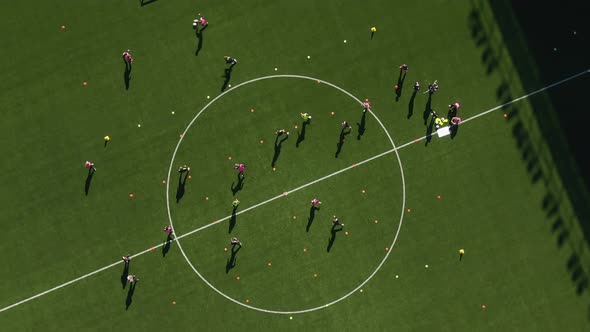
<point x="55" y="232"/>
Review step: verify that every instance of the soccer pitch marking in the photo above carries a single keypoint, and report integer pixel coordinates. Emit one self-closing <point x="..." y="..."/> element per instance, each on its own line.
<point x="209" y="225"/>
<point x="394" y="149"/>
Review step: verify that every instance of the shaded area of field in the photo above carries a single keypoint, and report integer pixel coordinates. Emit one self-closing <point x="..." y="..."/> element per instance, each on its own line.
<point x="546" y="45"/>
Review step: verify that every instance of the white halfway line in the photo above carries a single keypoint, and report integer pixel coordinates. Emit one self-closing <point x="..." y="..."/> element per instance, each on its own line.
<point x="288" y="192"/>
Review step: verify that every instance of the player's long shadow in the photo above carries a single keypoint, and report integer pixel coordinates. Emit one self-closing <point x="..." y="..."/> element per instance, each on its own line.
<point x="400" y="83"/>
<point x="199" y="34"/>
<point x="451" y="113"/>
<point x="311" y="217"/>
<point x="232" y="220"/>
<point x="301" y="135"/>
<point x="362" y="126"/>
<point x="130" y="293"/>
<point x="411" y="104"/>
<point x="124" y="275"/>
<point x="429" y="131"/>
<point x="227" y="77"/>
<point x="239" y="186"/>
<point x="88" y="181"/>
<point x="454" y="130"/>
<point x="180" y="190"/>
<point x="127" y="74"/>
<point x="146" y="2"/>
<point x="278" y="146"/>
<point x="127" y="77"/>
<point x="231" y="261"/>
<point x="427" y="108"/>
<point x="166" y="247"/>
<point x="341" y="140"/>
<point x="333" y="231"/>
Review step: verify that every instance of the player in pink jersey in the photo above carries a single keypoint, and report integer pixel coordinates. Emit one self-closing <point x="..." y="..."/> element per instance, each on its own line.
<point x="168" y="229"/>
<point x="240" y="168"/>
<point x="127" y="57"/>
<point x="90" y="166"/>
<point x="366" y="105"/>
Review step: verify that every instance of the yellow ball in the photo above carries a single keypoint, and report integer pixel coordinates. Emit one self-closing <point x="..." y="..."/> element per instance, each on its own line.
<point x="373" y="29"/>
<point x="106" y="138"/>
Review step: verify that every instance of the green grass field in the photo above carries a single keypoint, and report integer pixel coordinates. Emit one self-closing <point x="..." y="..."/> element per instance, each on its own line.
<point x="491" y="203"/>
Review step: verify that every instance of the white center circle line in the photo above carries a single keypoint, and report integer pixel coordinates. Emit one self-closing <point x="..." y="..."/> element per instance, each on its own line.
<point x="394" y="149"/>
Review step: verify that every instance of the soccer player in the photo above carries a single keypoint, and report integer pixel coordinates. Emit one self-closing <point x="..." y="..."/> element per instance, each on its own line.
<point x="127" y="57"/>
<point x="90" y="166"/>
<point x="453" y="110"/>
<point x="366" y="105"/>
<point x="235" y="203"/>
<point x="416" y="86"/>
<point x="404" y="67"/>
<point x="432" y="88"/>
<point x="235" y="242"/>
<point x="168" y="229"/>
<point x="315" y="202"/>
<point x="456" y="120"/>
<point x="240" y="168"/>
<point x="184" y="169"/>
<point x="306" y="117"/>
<point x="336" y="222"/>
<point x="230" y="61"/>
<point x="132" y="278"/>
<point x="126" y="259"/>
<point x="345" y="125"/>
<point x="281" y="132"/>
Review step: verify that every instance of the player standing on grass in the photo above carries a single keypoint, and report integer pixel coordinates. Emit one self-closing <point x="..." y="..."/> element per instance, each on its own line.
<point x="230" y="61"/>
<point x="235" y="242"/>
<point x="90" y="166"/>
<point x="127" y="57"/>
<point x="366" y="106"/>
<point x="240" y="168"/>
<point x="281" y="132"/>
<point x="306" y="117"/>
<point x="184" y="169"/>
<point x="453" y="110"/>
<point x="432" y="88"/>
<point x="315" y="202"/>
<point x="168" y="230"/>
<point x="336" y="222"/>
<point x="203" y="21"/>
<point x="132" y="278"/>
